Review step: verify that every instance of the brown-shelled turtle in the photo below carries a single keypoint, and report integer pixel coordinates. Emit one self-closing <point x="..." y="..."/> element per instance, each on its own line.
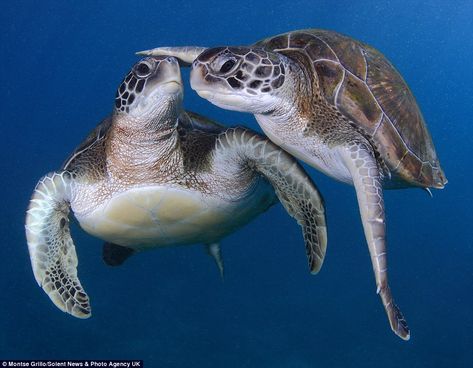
<point x="335" y="103"/>
<point x="153" y="175"/>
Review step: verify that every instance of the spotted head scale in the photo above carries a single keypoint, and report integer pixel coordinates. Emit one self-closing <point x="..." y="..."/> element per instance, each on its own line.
<point x="242" y="76"/>
<point x="151" y="83"/>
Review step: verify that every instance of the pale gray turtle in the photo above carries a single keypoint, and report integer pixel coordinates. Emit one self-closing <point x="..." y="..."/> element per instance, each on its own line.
<point x="152" y="175"/>
<point x="336" y="104"/>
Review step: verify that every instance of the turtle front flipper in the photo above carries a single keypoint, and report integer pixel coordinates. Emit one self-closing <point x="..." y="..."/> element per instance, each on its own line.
<point x="52" y="251"/>
<point x="367" y="180"/>
<point x="294" y="188"/>
<point x="185" y="54"/>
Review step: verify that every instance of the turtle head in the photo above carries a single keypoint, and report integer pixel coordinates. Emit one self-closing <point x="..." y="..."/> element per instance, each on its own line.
<point x="152" y="87"/>
<point x="240" y="78"/>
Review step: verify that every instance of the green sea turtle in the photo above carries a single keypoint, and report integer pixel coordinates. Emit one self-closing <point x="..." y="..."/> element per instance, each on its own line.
<point x="153" y="175"/>
<point x="335" y="103"/>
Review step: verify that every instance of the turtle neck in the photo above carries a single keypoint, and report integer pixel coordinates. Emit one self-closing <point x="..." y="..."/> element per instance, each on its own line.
<point x="143" y="150"/>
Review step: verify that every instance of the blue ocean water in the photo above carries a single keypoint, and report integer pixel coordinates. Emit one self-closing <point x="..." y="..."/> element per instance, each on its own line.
<point x="60" y="65"/>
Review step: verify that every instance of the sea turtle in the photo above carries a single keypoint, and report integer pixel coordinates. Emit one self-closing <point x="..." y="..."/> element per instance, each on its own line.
<point x="154" y="175"/>
<point x="335" y="103"/>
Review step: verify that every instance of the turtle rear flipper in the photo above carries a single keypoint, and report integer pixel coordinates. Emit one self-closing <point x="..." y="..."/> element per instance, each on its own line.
<point x="52" y="251"/>
<point x="115" y="255"/>
<point x="214" y="251"/>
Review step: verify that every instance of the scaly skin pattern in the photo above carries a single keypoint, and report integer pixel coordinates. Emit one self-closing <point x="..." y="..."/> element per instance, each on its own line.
<point x="52" y="251"/>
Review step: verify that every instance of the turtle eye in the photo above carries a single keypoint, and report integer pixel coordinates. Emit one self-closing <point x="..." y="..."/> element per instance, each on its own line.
<point x="224" y="64"/>
<point x="227" y="66"/>
<point x="143" y="69"/>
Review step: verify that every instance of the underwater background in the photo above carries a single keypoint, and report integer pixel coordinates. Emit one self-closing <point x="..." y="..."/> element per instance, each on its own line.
<point x="61" y="62"/>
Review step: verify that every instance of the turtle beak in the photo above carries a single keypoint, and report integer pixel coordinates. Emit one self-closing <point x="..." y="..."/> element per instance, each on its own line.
<point x="197" y="77"/>
<point x="201" y="80"/>
<point x="171" y="81"/>
<point x="205" y="84"/>
<point x="213" y="89"/>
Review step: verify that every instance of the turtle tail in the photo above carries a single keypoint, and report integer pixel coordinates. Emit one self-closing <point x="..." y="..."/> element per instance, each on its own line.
<point x="52" y="251"/>
<point x="439" y="179"/>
